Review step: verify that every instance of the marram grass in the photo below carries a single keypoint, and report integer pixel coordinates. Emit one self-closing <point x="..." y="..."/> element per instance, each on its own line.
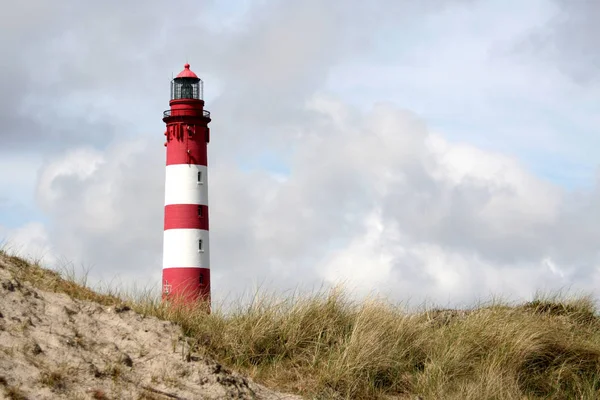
<point x="326" y="346"/>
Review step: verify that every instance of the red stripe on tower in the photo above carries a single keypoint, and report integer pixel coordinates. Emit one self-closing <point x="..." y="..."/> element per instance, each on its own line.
<point x="186" y="216"/>
<point x="186" y="269"/>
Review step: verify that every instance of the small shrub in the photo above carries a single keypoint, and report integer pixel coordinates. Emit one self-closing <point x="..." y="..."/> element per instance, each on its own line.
<point x="55" y="380"/>
<point x="14" y="393"/>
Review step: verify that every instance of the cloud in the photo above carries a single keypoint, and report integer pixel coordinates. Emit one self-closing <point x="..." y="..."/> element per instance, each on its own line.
<point x="566" y="41"/>
<point x="373" y="198"/>
<point x="69" y="66"/>
<point x="30" y="240"/>
<point x="106" y="207"/>
<point x="369" y="193"/>
<point x="82" y="74"/>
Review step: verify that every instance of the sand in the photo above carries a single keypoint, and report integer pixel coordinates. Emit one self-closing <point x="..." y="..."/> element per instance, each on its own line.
<point x="55" y="347"/>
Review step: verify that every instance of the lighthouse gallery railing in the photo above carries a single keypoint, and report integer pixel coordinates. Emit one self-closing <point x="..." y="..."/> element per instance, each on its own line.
<point x="205" y="113"/>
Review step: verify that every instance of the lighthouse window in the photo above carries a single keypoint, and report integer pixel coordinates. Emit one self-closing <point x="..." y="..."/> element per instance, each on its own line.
<point x="187" y="92"/>
<point x="199" y="211"/>
<point x="199" y="177"/>
<point x="200" y="249"/>
<point x="202" y="279"/>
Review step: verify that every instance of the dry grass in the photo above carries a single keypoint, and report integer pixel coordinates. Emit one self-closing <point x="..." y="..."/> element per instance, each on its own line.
<point x="11" y="392"/>
<point x="327" y="346"/>
<point x="56" y="379"/>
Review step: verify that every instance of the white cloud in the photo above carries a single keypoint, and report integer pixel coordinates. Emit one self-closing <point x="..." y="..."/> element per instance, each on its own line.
<point x="372" y="198"/>
<point x="365" y="262"/>
<point x="30" y="240"/>
<point x="78" y="164"/>
<point x="520" y="198"/>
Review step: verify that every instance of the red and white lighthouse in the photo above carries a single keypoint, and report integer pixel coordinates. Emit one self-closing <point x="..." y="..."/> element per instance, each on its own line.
<point x="186" y="270"/>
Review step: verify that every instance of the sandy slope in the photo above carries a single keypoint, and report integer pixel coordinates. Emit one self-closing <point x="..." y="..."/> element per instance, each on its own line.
<point x="53" y="347"/>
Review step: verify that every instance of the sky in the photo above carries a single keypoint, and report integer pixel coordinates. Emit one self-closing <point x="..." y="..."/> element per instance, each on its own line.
<point x="442" y="151"/>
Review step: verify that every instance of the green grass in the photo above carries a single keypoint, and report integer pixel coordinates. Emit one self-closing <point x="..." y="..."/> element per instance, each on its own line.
<point x="325" y="345"/>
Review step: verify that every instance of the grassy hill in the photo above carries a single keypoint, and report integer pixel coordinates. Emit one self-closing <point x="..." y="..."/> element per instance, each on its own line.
<point x="325" y="346"/>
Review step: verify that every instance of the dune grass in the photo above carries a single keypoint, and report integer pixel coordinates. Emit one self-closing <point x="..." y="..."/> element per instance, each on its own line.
<point x="326" y="346"/>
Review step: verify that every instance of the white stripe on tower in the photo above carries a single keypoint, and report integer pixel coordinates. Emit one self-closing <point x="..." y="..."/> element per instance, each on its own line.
<point x="182" y="248"/>
<point x="186" y="184"/>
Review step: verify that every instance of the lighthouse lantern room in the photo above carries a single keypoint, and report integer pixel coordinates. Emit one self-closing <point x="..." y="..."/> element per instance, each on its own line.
<point x="186" y="270"/>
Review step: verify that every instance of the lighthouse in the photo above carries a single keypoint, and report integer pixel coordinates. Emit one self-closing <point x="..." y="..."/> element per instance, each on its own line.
<point x="186" y="258"/>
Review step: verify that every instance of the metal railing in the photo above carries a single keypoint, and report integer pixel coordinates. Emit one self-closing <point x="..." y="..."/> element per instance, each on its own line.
<point x="205" y="113"/>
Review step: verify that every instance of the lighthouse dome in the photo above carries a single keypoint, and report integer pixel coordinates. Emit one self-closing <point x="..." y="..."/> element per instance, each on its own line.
<point x="187" y="72"/>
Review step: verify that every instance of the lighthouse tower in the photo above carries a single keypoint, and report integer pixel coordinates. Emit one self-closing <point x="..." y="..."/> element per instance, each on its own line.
<point x="186" y="271"/>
